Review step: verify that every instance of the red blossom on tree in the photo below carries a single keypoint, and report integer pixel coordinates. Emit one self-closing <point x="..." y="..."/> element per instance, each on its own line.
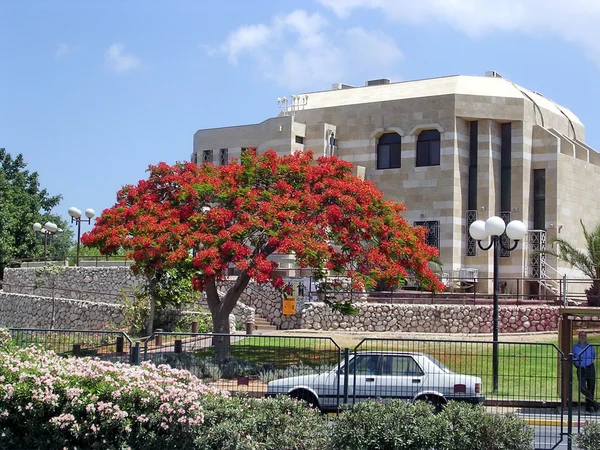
<point x="239" y="214"/>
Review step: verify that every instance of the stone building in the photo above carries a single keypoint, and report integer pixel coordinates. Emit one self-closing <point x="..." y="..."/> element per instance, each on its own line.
<point x="453" y="150"/>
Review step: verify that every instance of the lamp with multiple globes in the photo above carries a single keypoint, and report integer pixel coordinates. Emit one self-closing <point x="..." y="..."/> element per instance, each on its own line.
<point x="48" y="229"/>
<point x="493" y="228"/>
<point x="76" y="218"/>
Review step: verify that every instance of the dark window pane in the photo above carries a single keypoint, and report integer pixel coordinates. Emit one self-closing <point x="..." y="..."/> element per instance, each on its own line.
<point x="388" y="151"/>
<point x="299" y="139"/>
<point x="434" y="153"/>
<point x="472" y="187"/>
<point x="223" y="156"/>
<point x="433" y="232"/>
<point x="383" y="156"/>
<point x="429" y="135"/>
<point x="395" y="155"/>
<point x="505" y="163"/>
<point x="473" y="138"/>
<point x="428" y="148"/>
<point x="390" y="138"/>
<point x="539" y="202"/>
<point x="422" y="154"/>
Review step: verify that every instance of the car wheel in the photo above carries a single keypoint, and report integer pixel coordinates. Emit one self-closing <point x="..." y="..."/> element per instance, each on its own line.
<point x="436" y="401"/>
<point x="305" y="396"/>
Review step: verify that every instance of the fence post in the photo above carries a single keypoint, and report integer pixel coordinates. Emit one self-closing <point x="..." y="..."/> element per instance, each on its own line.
<point x="194" y="327"/>
<point x="564" y="291"/>
<point x="178" y="346"/>
<point x="119" y="346"/>
<point x="134" y="357"/>
<point x="76" y="349"/>
<point x="346" y="373"/>
<point x="158" y="337"/>
<point x="570" y="403"/>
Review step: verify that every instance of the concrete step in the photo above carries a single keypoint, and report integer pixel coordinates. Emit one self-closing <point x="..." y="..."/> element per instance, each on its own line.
<point x="260" y="323"/>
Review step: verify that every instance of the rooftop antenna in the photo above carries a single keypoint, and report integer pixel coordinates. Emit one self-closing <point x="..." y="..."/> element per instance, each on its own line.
<point x="297" y="103"/>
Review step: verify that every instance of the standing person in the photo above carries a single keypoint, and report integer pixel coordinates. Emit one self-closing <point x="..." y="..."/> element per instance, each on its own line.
<point x="584" y="357"/>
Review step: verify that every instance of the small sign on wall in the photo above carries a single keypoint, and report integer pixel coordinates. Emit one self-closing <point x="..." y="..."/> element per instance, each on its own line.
<point x="289" y="306"/>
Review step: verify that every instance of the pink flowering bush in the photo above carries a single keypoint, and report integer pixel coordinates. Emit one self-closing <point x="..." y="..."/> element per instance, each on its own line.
<point x="51" y="402"/>
<point x="47" y="401"/>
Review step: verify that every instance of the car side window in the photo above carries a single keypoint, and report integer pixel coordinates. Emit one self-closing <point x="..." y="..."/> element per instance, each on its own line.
<point x="365" y="365"/>
<point x="401" y="366"/>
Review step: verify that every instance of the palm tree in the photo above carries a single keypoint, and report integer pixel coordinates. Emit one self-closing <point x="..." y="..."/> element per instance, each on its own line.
<point x="587" y="261"/>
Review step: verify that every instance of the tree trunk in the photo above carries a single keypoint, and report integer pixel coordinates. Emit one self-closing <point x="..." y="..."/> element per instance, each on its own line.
<point x="222" y="340"/>
<point x="220" y="310"/>
<point x="53" y="317"/>
<point x="150" y="324"/>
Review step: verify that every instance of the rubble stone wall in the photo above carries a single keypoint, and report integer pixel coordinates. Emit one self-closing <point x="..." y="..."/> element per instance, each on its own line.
<point x="431" y="318"/>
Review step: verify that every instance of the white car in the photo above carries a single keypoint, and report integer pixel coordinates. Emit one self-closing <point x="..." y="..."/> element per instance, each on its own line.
<point x="384" y="375"/>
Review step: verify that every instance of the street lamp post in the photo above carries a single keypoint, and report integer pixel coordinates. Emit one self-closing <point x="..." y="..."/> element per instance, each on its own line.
<point x="493" y="228"/>
<point x="47" y="229"/>
<point x="76" y="218"/>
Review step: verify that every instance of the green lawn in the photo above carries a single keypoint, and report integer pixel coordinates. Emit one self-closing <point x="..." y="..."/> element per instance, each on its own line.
<point x="281" y="352"/>
<point x="525" y="370"/>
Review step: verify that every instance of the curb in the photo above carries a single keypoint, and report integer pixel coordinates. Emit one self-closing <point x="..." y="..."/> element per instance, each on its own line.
<point x="546" y="422"/>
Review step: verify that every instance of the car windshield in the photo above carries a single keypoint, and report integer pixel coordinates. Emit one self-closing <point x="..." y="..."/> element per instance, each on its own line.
<point x="439" y="364"/>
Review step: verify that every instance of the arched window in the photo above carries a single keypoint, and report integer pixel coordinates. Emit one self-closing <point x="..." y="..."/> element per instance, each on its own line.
<point x="428" y="148"/>
<point x="388" y="151"/>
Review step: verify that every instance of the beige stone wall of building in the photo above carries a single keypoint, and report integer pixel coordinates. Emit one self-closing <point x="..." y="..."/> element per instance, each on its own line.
<point x="578" y="198"/>
<point x="544" y="136"/>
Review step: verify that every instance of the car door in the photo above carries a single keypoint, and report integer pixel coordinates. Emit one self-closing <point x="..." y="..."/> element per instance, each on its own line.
<point x="363" y="374"/>
<point x="401" y="377"/>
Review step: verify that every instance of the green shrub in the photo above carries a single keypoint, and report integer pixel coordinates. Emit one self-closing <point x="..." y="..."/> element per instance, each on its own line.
<point x="393" y="425"/>
<point x="397" y="425"/>
<point x="589" y="437"/>
<point x="277" y="423"/>
<point x="204" y="319"/>
<point x="468" y="427"/>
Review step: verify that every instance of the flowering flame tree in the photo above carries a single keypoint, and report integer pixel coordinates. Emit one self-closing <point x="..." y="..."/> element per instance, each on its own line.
<point x="207" y="219"/>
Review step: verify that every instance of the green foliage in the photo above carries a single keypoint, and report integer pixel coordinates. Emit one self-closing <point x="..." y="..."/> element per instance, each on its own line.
<point x="173" y="288"/>
<point x="397" y="425"/>
<point x="22" y="203"/>
<point x="589" y="437"/>
<point x="394" y="425"/>
<point x="136" y="310"/>
<point x="587" y="261"/>
<point x="467" y="427"/>
<point x="204" y="319"/>
<point x="261" y="424"/>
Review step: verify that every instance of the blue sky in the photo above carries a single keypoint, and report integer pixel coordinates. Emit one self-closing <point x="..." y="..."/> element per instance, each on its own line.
<point x="91" y="92"/>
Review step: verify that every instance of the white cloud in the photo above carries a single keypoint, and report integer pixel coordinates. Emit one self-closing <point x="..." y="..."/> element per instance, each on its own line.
<point x="245" y="39"/>
<point x="117" y="60"/>
<point x="302" y="50"/>
<point x="574" y="21"/>
<point x="63" y="50"/>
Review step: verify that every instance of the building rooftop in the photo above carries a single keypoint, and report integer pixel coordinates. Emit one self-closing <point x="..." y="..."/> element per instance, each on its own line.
<point x="489" y="86"/>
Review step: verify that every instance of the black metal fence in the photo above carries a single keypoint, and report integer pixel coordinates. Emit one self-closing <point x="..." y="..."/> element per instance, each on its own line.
<point x="537" y="382"/>
<point x="115" y="346"/>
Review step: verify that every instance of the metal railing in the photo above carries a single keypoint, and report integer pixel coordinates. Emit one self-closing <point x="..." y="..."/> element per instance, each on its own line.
<point x="84" y="261"/>
<point x="115" y="346"/>
<point x="532" y="381"/>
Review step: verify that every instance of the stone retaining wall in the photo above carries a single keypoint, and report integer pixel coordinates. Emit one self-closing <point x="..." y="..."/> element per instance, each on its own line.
<point x="431" y="318"/>
<point x="99" y="284"/>
<point x="33" y="311"/>
<point x="267" y="303"/>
